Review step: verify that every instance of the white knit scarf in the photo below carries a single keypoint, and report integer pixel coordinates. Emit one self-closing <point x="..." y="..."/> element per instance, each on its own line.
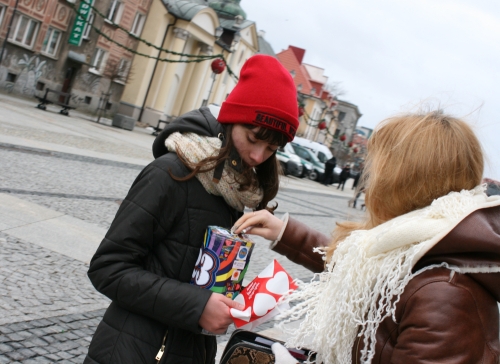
<point x="196" y="148"/>
<point x="367" y="275"/>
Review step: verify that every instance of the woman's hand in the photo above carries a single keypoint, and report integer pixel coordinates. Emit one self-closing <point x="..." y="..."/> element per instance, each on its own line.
<point x="261" y="223"/>
<point x="215" y="318"/>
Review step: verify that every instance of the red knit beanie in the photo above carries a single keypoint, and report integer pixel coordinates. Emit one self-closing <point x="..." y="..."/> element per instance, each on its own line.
<point x="265" y="95"/>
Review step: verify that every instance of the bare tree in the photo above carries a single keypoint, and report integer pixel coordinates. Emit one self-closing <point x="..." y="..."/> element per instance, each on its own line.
<point x="335" y="88"/>
<point x="116" y="70"/>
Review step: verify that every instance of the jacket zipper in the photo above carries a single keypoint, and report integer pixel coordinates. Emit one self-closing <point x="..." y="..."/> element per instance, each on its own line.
<point x="162" y="349"/>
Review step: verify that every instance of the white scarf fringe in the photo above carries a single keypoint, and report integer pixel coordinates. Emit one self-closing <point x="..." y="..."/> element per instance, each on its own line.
<point x="367" y="275"/>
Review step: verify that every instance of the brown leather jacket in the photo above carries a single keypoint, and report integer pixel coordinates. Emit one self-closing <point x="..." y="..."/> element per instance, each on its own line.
<point x="442" y="317"/>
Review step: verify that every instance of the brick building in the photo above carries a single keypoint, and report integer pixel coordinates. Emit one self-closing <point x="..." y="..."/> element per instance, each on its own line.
<point x="38" y="53"/>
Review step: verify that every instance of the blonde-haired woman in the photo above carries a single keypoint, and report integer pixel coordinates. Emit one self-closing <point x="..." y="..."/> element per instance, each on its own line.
<point x="419" y="280"/>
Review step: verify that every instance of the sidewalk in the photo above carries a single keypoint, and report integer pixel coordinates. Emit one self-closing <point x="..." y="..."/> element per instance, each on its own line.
<point x="51" y="223"/>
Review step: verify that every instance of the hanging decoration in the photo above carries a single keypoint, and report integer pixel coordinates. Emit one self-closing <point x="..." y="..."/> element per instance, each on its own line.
<point x="342" y="137"/>
<point x="184" y="58"/>
<point x="350" y="144"/>
<point x="218" y="66"/>
<point x="322" y="125"/>
<point x="355" y="150"/>
<point x="301" y="111"/>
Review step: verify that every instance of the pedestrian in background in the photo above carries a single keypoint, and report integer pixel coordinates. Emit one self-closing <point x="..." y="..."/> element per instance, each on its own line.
<point x="344" y="176"/>
<point x="208" y="168"/>
<point x="329" y="169"/>
<point x="418" y="280"/>
<point x="356" y="178"/>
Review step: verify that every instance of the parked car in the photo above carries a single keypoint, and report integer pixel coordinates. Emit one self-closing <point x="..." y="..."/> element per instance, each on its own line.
<point x="289" y="161"/>
<point x="316" y="174"/>
<point x="320" y="150"/>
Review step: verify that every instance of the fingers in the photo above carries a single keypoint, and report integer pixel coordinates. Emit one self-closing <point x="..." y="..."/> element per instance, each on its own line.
<point x="232" y="304"/>
<point x="250" y="220"/>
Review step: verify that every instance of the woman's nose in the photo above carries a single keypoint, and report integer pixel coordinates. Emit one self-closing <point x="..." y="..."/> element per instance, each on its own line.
<point x="257" y="156"/>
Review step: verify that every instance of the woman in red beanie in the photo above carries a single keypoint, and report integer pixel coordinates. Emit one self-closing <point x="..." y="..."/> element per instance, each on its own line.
<point x="208" y="168"/>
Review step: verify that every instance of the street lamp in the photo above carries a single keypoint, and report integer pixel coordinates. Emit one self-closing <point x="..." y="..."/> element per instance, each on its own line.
<point x="218" y="32"/>
<point x="236" y="37"/>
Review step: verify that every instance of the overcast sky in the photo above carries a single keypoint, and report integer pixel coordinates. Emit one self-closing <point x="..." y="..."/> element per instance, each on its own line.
<point x="393" y="55"/>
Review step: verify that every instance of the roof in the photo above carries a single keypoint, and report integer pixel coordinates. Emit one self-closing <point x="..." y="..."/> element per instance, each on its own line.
<point x="265" y="47"/>
<point x="291" y="60"/>
<point x="228" y="8"/>
<point x="183" y="9"/>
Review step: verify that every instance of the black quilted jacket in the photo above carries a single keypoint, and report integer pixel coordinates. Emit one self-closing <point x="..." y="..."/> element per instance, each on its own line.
<point x="145" y="262"/>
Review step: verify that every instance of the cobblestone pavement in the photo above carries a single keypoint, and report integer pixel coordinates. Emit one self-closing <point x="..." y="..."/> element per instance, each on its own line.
<point x="48" y="308"/>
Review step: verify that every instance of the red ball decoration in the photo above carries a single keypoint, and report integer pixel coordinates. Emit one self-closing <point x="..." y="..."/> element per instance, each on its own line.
<point x="218" y="66"/>
<point x="355" y="150"/>
<point x="342" y="137"/>
<point x="350" y="144"/>
<point x="301" y="111"/>
<point x="322" y="125"/>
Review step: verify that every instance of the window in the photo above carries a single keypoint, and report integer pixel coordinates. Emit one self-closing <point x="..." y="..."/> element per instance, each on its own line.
<point x="11" y="77"/>
<point x="51" y="42"/>
<point x="2" y="13"/>
<point x="123" y="69"/>
<point x="24" y="30"/>
<point x="341" y="116"/>
<point x="87" y="100"/>
<point x="292" y="72"/>
<point x="98" y="61"/>
<point x="88" y="26"/>
<point x="115" y="12"/>
<point x="138" y="24"/>
<point x="40" y="86"/>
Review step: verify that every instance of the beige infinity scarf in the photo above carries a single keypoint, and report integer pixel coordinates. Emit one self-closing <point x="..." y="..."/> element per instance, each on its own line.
<point x="196" y="148"/>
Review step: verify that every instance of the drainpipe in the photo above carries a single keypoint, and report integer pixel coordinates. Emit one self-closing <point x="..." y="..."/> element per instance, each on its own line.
<point x="8" y="31"/>
<point x="154" y="69"/>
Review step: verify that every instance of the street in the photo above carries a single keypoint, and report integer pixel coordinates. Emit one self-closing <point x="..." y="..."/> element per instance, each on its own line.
<point x="61" y="182"/>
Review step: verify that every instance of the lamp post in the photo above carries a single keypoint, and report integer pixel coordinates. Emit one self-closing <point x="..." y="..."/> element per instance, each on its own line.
<point x="218" y="66"/>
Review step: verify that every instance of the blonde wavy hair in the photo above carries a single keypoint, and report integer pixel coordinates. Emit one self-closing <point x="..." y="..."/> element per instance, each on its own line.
<point x="412" y="160"/>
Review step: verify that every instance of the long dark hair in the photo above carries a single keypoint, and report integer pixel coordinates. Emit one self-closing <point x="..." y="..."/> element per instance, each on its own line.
<point x="265" y="175"/>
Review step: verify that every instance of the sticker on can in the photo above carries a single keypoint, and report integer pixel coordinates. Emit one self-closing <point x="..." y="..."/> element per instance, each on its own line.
<point x="236" y="275"/>
<point x="243" y="253"/>
<point x="239" y="264"/>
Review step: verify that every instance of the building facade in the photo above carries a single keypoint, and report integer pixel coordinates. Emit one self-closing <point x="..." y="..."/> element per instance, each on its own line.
<point x="316" y="103"/>
<point x="38" y="54"/>
<point x="162" y="90"/>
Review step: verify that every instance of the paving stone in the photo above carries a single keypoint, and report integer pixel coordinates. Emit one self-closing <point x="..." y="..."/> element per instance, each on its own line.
<point x="5" y="348"/>
<point x="45" y="296"/>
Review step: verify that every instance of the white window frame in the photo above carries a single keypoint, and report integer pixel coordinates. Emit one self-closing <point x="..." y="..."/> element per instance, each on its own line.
<point x="2" y="13"/>
<point x="98" y="61"/>
<point x="46" y="46"/>
<point x="123" y="68"/>
<point x="88" y="26"/>
<point x="17" y="24"/>
<point x="115" y="12"/>
<point x="138" y="24"/>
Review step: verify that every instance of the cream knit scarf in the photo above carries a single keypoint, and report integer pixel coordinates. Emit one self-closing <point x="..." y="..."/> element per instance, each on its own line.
<point x="196" y="148"/>
<point x="369" y="270"/>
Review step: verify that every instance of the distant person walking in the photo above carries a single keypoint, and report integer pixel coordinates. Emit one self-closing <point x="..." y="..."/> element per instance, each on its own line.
<point x="329" y="167"/>
<point x="344" y="176"/>
<point x="356" y="179"/>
